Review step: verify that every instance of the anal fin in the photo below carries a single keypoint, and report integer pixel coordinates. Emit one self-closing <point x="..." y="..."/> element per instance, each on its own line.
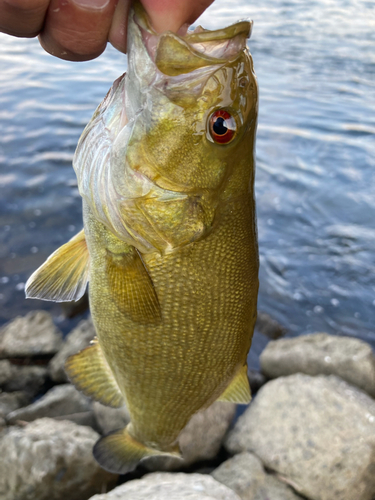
<point x="238" y="391"/>
<point x="120" y="452"/>
<point x="131" y="287"/>
<point x="90" y="373"/>
<point x="64" y="275"/>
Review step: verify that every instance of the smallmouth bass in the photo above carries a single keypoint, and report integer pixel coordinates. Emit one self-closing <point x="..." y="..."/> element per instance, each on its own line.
<point x="166" y="172"/>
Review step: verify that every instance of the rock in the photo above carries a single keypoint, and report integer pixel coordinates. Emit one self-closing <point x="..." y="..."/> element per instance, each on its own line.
<point x="50" y="460"/>
<point x="256" y="380"/>
<point x="10" y="401"/>
<point x="29" y="378"/>
<point x="317" y="432"/>
<point x="110" y="419"/>
<point x="82" y="418"/>
<point x="60" y="400"/>
<point x="200" y="440"/>
<point x="245" y="475"/>
<point x="268" y="326"/>
<point x="351" y="359"/>
<point x="30" y="335"/>
<point x="242" y="473"/>
<point x="273" y="489"/>
<point x="167" y="486"/>
<point x="75" y="341"/>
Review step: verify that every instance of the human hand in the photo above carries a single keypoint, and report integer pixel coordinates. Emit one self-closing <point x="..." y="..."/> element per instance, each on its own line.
<point x="78" y="30"/>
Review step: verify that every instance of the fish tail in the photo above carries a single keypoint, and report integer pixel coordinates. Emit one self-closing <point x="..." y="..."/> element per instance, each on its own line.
<point x="119" y="452"/>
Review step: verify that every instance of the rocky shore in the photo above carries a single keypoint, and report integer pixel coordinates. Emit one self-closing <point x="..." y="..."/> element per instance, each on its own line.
<point x="308" y="433"/>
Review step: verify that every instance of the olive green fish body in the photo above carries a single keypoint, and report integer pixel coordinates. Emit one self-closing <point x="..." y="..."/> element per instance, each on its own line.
<point x="166" y="172"/>
<point x="171" y="370"/>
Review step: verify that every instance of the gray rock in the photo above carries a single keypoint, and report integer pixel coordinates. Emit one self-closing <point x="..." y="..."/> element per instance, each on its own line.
<point x="75" y="341"/>
<point x="200" y="440"/>
<point x="29" y="378"/>
<point x="242" y="473"/>
<point x="268" y="326"/>
<point x="273" y="489"/>
<point x="82" y="418"/>
<point x="10" y="401"/>
<point x="351" y="359"/>
<point x="110" y="419"/>
<point x="50" y="460"/>
<point x="30" y="335"/>
<point x="256" y="380"/>
<point x="245" y="475"/>
<point x="167" y="486"/>
<point x="317" y="432"/>
<point x="60" y="400"/>
<point x="321" y="354"/>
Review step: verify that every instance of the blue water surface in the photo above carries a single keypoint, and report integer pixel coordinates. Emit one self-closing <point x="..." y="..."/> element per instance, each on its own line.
<point x="315" y="182"/>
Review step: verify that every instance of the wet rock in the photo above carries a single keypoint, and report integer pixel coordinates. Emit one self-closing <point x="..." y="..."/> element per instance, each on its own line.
<point x="242" y="473"/>
<point x="200" y="440"/>
<point x="245" y="475"/>
<point x="29" y="378"/>
<point x="351" y="359"/>
<point x="61" y="400"/>
<point x="317" y="432"/>
<point x="10" y="401"/>
<point x="268" y="326"/>
<point x="50" y="460"/>
<point x="167" y="486"/>
<point x="30" y="335"/>
<point x="75" y="341"/>
<point x="273" y="489"/>
<point x="110" y="419"/>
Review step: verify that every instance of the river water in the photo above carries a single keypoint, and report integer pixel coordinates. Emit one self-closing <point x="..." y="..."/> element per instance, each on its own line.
<point x="315" y="182"/>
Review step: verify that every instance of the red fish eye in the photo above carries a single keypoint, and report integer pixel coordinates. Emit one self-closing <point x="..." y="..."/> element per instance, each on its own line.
<point x="222" y="126"/>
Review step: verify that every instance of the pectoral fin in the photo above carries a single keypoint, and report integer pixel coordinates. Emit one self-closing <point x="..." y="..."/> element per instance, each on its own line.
<point x="119" y="452"/>
<point x="90" y="373"/>
<point x="64" y="275"/>
<point x="238" y="391"/>
<point x="131" y="287"/>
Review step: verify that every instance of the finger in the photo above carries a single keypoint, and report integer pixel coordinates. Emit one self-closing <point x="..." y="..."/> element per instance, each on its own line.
<point x="117" y="33"/>
<point x="171" y="15"/>
<point x="77" y="30"/>
<point x="22" y="17"/>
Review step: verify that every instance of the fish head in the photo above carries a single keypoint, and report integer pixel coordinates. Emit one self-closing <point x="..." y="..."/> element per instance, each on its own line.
<point x="197" y="104"/>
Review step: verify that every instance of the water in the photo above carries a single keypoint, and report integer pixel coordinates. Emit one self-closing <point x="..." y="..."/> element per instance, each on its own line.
<point x="315" y="182"/>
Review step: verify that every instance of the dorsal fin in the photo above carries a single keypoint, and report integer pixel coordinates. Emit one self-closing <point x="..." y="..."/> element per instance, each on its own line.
<point x="238" y="391"/>
<point x="90" y="373"/>
<point x="64" y="275"/>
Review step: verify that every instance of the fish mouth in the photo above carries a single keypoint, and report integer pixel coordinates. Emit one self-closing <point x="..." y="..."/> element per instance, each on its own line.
<point x="186" y="51"/>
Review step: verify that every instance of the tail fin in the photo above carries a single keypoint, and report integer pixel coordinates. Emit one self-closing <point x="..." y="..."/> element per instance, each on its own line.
<point x="120" y="453"/>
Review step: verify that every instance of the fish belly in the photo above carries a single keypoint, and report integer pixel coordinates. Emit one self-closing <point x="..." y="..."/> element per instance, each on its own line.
<point x="207" y="293"/>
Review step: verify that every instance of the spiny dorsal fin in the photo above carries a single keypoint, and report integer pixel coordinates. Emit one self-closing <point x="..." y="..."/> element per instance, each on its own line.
<point x="90" y="373"/>
<point x="131" y="287"/>
<point x="64" y="275"/>
<point x="238" y="391"/>
<point x="120" y="452"/>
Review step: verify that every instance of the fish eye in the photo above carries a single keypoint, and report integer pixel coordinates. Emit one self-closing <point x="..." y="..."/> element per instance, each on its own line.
<point x="222" y="126"/>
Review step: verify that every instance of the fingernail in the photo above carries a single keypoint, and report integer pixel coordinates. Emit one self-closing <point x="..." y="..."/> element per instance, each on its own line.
<point x="92" y="4"/>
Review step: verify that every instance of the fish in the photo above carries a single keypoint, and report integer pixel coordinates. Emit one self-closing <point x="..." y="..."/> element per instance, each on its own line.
<point x="169" y="245"/>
